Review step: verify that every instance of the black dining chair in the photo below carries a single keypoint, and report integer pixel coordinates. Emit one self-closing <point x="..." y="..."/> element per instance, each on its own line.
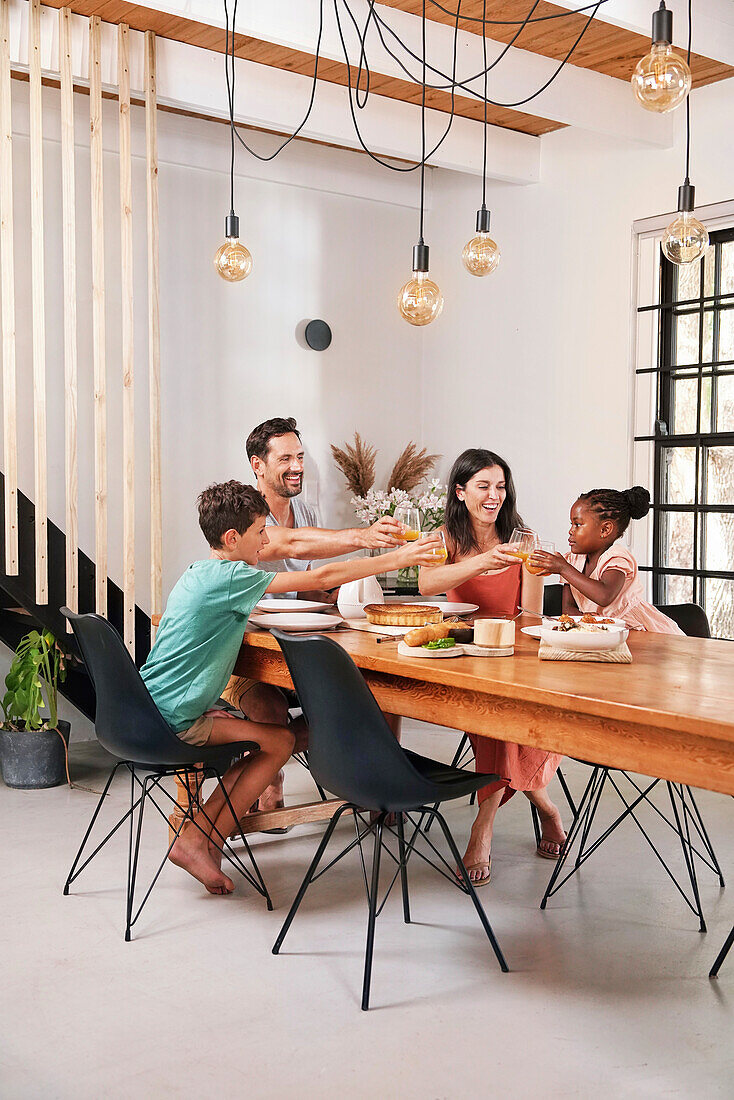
<point x="552" y="604"/>
<point x="354" y="754"/>
<point x="686" y="821"/>
<point x="714" y="971"/>
<point x="130" y="727"/>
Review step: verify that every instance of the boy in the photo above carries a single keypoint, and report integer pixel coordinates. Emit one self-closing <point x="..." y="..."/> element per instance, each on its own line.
<point x="197" y="645"/>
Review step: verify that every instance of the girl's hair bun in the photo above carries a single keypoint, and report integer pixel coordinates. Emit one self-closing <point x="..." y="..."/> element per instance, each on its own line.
<point x="638" y="501"/>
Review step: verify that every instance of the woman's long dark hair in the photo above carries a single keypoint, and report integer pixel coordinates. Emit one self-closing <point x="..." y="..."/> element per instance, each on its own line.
<point x="457" y="520"/>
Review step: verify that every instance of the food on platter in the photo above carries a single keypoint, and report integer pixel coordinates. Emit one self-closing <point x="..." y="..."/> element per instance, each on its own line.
<point x="590" y="617"/>
<point x="402" y="614"/>
<point x="440" y="643"/>
<point x="461" y="633"/>
<point x="430" y="633"/>
<point x="588" y="627"/>
<point x="494" y="633"/>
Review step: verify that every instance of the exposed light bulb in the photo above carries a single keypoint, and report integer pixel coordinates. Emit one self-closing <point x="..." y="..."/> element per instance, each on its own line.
<point x="686" y="238"/>
<point x="233" y="261"/>
<point x="420" y="301"/>
<point x="481" y="254"/>
<point x="662" y="79"/>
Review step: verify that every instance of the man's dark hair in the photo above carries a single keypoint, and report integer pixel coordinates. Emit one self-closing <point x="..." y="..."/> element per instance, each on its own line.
<point x="258" y="441"/>
<point x="229" y="506"/>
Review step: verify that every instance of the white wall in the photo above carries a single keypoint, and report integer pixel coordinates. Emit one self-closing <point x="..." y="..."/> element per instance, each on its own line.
<point x="534" y="360"/>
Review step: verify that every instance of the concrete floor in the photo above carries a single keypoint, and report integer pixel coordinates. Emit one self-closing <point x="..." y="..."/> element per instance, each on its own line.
<point x="607" y="996"/>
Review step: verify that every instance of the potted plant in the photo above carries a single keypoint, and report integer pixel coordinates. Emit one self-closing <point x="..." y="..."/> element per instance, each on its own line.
<point x="34" y="745"/>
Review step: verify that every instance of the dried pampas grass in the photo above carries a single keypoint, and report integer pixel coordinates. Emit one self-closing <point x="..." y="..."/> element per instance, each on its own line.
<point x="357" y="463"/>
<point x="411" y="467"/>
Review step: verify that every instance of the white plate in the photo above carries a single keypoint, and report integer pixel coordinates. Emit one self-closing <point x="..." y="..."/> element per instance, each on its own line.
<point x="291" y="607"/>
<point x="307" y="623"/>
<point x="443" y="605"/>
<point x="418" y="651"/>
<point x="531" y="631"/>
<point x="534" y="631"/>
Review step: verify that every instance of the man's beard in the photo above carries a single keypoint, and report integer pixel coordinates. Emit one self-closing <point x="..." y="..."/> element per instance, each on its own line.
<point x="286" y="490"/>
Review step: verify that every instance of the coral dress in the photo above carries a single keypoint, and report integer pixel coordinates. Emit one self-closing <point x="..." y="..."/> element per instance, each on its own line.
<point x="630" y="604"/>
<point x="522" y="768"/>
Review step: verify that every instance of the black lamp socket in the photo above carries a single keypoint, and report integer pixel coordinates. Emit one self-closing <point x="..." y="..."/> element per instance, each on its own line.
<point x="686" y="197"/>
<point x="232" y="226"/>
<point x="483" y="216"/>
<point x="420" y="257"/>
<point x="662" y="25"/>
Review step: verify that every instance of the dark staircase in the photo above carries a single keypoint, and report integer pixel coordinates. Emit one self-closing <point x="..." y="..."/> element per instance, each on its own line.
<point x="19" y="612"/>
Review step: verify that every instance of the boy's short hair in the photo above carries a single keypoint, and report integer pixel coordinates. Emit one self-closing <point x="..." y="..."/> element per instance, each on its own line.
<point x="229" y="506"/>
<point x="258" y="441"/>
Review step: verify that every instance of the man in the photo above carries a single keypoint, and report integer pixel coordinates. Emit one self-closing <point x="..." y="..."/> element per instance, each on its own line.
<point x="275" y="452"/>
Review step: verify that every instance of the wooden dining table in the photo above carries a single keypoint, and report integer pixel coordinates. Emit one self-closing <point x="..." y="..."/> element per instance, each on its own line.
<point x="668" y="714"/>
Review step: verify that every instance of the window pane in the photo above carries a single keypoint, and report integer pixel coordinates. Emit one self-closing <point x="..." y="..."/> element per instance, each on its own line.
<point x="705" y="425"/>
<point x="709" y="271"/>
<point x="686" y="338"/>
<point x="726" y="335"/>
<point x="680" y="475"/>
<point x="727" y="267"/>
<point x="719" y="544"/>
<point x="719" y="605"/>
<point x="677" y="535"/>
<point x="689" y="282"/>
<point x="719" y="474"/>
<point x="677" y="589"/>
<point x="725" y="403"/>
<point x="685" y="400"/>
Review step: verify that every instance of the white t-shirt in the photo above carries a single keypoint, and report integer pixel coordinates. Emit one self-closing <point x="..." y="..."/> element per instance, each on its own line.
<point x="303" y="516"/>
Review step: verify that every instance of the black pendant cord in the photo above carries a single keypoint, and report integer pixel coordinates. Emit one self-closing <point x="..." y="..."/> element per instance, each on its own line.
<point x="688" y="101"/>
<point x="514" y="22"/>
<point x="423" y="124"/>
<point x="484" y="148"/>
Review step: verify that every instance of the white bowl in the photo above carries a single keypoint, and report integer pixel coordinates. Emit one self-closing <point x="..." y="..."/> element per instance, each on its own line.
<point x="584" y="640"/>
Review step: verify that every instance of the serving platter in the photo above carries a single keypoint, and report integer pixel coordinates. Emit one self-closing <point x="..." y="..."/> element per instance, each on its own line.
<point x="446" y="606"/>
<point x="291" y="607"/>
<point x="418" y="651"/>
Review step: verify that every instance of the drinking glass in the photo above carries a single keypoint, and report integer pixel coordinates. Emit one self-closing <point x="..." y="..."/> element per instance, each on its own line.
<point x="548" y="547"/>
<point x="522" y="543"/>
<point x="409" y="516"/>
<point x="439" y="554"/>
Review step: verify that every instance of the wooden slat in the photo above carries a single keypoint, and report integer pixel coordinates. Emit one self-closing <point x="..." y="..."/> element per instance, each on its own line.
<point x="154" y="330"/>
<point x="98" y="315"/>
<point x="7" y="300"/>
<point x="68" y="195"/>
<point x="128" y="405"/>
<point x="38" y="305"/>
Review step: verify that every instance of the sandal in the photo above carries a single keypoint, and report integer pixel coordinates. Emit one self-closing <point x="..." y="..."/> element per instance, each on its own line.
<point x="552" y="849"/>
<point x="483" y="879"/>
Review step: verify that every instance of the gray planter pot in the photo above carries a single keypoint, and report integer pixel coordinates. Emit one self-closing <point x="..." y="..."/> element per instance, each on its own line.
<point x="31" y="759"/>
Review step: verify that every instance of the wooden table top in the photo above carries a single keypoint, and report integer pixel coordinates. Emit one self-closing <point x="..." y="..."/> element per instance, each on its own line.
<point x="674" y="683"/>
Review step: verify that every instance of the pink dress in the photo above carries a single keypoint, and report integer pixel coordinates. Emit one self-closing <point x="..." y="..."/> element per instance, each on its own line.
<point x="522" y="768"/>
<point x="630" y="604"/>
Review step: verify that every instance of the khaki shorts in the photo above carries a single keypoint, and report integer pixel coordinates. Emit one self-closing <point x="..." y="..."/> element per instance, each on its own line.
<point x="199" y="733"/>
<point x="236" y="690"/>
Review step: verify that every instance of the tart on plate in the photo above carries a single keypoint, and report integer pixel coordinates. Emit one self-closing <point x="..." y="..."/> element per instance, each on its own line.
<point x="402" y="614"/>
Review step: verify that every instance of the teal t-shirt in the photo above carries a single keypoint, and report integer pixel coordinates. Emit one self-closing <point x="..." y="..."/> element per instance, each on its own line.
<point x="200" y="636"/>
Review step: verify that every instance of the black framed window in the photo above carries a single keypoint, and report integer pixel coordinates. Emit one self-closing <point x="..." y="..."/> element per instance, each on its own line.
<point x="693" y="435"/>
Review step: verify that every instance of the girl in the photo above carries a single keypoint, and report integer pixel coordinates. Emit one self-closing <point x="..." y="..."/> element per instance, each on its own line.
<point x="600" y="574"/>
<point x="481" y="513"/>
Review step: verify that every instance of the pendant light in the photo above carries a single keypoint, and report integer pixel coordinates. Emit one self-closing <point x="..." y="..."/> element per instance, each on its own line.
<point x="662" y="79"/>
<point x="481" y="254"/>
<point x="420" y="301"/>
<point x="686" y="238"/>
<point x="233" y="261"/>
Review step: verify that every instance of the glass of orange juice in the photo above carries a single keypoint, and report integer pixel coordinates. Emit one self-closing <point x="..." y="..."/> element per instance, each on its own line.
<point x="409" y="516"/>
<point x="548" y="547"/>
<point x="522" y="543"/>
<point x="439" y="553"/>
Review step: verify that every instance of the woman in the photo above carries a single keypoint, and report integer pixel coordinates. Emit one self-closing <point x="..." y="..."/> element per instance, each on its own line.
<point x="481" y="514"/>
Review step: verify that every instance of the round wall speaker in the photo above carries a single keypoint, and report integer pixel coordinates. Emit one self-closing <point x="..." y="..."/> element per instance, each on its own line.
<point x="318" y="335"/>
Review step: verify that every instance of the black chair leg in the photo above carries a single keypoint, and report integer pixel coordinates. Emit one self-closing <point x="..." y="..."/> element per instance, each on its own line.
<point x="372" y="918"/>
<point x="322" y="793"/>
<point x="470" y="889"/>
<point x="308" y="877"/>
<point x="535" y="816"/>
<point x="132" y="856"/>
<point x="261" y="888"/>
<point x="714" y="972"/>
<point x="403" y="868"/>
<point x="71" y="876"/>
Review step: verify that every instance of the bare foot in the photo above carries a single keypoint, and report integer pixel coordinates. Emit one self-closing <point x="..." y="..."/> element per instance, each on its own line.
<point x="272" y="796"/>
<point x="199" y="863"/>
<point x="553" y="835"/>
<point x="477" y="854"/>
